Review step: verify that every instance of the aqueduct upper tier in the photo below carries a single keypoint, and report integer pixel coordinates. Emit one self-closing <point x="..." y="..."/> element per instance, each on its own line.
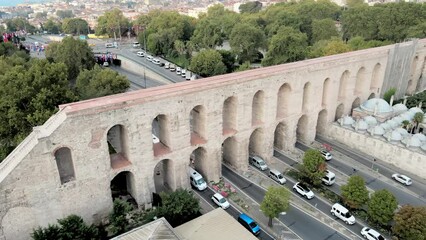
<point x="74" y="163"/>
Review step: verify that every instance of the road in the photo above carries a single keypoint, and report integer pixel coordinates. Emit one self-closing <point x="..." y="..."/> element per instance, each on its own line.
<point x="371" y="181"/>
<point x="299" y="222"/>
<point x="136" y="81"/>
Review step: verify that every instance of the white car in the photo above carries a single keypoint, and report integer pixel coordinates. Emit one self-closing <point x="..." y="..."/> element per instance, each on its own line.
<point x="155" y="139"/>
<point x="136" y="45"/>
<point x="371" y="234"/>
<point x="140" y="54"/>
<point x="303" y="190"/>
<point x="402" y="179"/>
<point x="220" y="201"/>
<point x="327" y="156"/>
<point x="156" y="61"/>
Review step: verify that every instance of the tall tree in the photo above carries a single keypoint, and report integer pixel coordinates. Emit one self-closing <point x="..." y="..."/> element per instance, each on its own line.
<point x="323" y="29"/>
<point x="179" y="206"/>
<point x="208" y="63"/>
<point x="410" y="223"/>
<point x="250" y="7"/>
<point x="276" y="201"/>
<point x="118" y="216"/>
<point x="75" y="26"/>
<point x="113" y="23"/>
<point x="52" y="26"/>
<point x="76" y="54"/>
<point x="382" y="206"/>
<point x="287" y="45"/>
<point x="16" y="24"/>
<point x="329" y="47"/>
<point x="418" y="119"/>
<point x="246" y="40"/>
<point x="355" y="193"/>
<point x="313" y="168"/>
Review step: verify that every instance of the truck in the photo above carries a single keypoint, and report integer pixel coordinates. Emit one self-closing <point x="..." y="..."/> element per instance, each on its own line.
<point x="197" y="181"/>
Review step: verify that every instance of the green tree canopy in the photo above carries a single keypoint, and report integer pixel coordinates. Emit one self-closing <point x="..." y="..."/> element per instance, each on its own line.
<point x="410" y="223"/>
<point x="276" y="201"/>
<point x="52" y="26"/>
<point x="323" y="29"/>
<point x="75" y="26"/>
<point x="62" y="14"/>
<point x="246" y="40"/>
<point x="118" y="216"/>
<point x="113" y="23"/>
<point x="76" y="54"/>
<point x="179" y="206"/>
<point x="286" y="46"/>
<point x="328" y="47"/>
<point x="250" y="7"/>
<point x="228" y="59"/>
<point x="208" y="63"/>
<point x="100" y="82"/>
<point x="313" y="168"/>
<point x="355" y="193"/>
<point x="417" y="31"/>
<point x="382" y="206"/>
<point x="16" y="24"/>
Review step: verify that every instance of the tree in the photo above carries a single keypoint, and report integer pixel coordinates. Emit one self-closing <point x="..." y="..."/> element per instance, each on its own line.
<point x="41" y="15"/>
<point x="313" y="168"/>
<point x="16" y="24"/>
<point x="62" y="14"/>
<point x="75" y="26"/>
<point x="355" y="193"/>
<point x="417" y="119"/>
<point x="354" y="3"/>
<point x="382" y="206"/>
<point x="208" y="63"/>
<point x="179" y="206"/>
<point x="113" y="23"/>
<point x="52" y="27"/>
<point x="243" y="67"/>
<point x="410" y="223"/>
<point x="118" y="218"/>
<point x="388" y="94"/>
<point x="228" y="59"/>
<point x="276" y="201"/>
<point x="245" y="41"/>
<point x="100" y="82"/>
<point x="76" y="54"/>
<point x="417" y="31"/>
<point x="328" y="47"/>
<point x="250" y="7"/>
<point x="287" y="45"/>
<point x="323" y="29"/>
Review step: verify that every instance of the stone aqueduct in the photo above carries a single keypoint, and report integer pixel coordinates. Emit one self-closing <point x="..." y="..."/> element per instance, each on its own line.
<point x="67" y="165"/>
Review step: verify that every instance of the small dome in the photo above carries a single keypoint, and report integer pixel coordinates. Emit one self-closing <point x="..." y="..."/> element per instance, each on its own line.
<point x="392" y="123"/>
<point x="398" y="119"/>
<point x="361" y="125"/>
<point x="386" y="126"/>
<point x="370" y="120"/>
<point x="402" y="131"/>
<point x="424" y="147"/>
<point x="393" y="136"/>
<point x="378" y="104"/>
<point x="399" y="108"/>
<point x="420" y="136"/>
<point x="406" y="116"/>
<point x="415" y="110"/>
<point x="411" y="142"/>
<point x="346" y="120"/>
<point x="376" y="130"/>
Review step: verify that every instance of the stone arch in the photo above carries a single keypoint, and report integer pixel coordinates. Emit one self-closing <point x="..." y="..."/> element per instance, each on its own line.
<point x="198" y="160"/>
<point x="372" y="95"/>
<point x="283" y="101"/>
<point x="361" y="83"/>
<point x="258" y="111"/>
<point x="322" y="121"/>
<point x="307" y="96"/>
<point x="326" y="92"/>
<point x="302" y="129"/>
<point x="229" y="115"/>
<point x="117" y="139"/>
<point x="65" y="164"/>
<point x="161" y="135"/>
<point x="340" y="110"/>
<point x="280" y="135"/>
<point x="256" y="142"/>
<point x="230" y="151"/>
<point x="18" y="223"/>
<point x="356" y="103"/>
<point x="163" y="174"/>
<point x="343" y="85"/>
<point x="375" y="81"/>
<point x="123" y="186"/>
<point x="197" y="125"/>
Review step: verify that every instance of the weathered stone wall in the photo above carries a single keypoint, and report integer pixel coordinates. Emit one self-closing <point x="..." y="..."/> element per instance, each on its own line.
<point x="308" y="95"/>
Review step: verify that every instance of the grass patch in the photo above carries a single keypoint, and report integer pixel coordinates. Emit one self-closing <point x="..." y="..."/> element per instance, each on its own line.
<point x="180" y="60"/>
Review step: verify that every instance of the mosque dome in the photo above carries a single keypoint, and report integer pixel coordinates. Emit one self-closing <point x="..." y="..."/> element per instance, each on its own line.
<point x="377" y="105"/>
<point x="415" y="110"/>
<point x="424" y="147"/>
<point x="386" y="126"/>
<point x="346" y="120"/>
<point x="399" y="108"/>
<point x="420" y="136"/>
<point x="406" y="116"/>
<point x="393" y="136"/>
<point x="402" y="131"/>
<point x="392" y="123"/>
<point x="361" y="125"/>
<point x="398" y="119"/>
<point x="411" y="142"/>
<point x="376" y="130"/>
<point x="370" y="120"/>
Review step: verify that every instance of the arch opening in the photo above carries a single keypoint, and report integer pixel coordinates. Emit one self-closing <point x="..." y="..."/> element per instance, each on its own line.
<point x="257" y="114"/>
<point x="307" y="96"/>
<point x="160" y="135"/>
<point x="197" y="125"/>
<point x="375" y="81"/>
<point x="117" y="139"/>
<point x="229" y="116"/>
<point x="256" y="142"/>
<point x="162" y="176"/>
<point x="339" y="111"/>
<point x="283" y="101"/>
<point x="198" y="161"/>
<point x="302" y="128"/>
<point x="372" y="95"/>
<point x="280" y="136"/>
<point x="322" y="122"/>
<point x="326" y="92"/>
<point x="230" y="151"/>
<point x="356" y="103"/>
<point x="343" y="85"/>
<point x="65" y="165"/>
<point x="123" y="187"/>
<point x="360" y="83"/>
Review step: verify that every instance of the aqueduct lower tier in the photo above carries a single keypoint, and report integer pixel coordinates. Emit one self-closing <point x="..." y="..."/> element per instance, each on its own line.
<point x="78" y="159"/>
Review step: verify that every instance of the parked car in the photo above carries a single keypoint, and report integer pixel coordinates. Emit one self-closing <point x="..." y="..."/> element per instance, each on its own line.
<point x="303" y="190"/>
<point x="402" y="179"/>
<point x="277" y="176"/>
<point x="371" y="234"/>
<point x="136" y="45"/>
<point x="329" y="178"/>
<point x="342" y="213"/>
<point x="140" y="54"/>
<point x="178" y="69"/>
<point x="149" y="58"/>
<point x="258" y="162"/>
<point x="327" y="156"/>
<point x="183" y="72"/>
<point x="156" y="61"/>
<point x="220" y="201"/>
<point x="167" y="65"/>
<point x="249" y="224"/>
<point x="172" y="67"/>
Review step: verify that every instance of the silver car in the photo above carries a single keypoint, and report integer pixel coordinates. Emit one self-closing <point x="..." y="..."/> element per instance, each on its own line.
<point x="402" y="179"/>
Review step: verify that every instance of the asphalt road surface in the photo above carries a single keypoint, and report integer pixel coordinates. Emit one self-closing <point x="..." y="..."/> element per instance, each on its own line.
<point x="136" y="81"/>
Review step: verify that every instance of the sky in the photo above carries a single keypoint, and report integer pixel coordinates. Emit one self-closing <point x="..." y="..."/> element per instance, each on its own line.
<point x="15" y="2"/>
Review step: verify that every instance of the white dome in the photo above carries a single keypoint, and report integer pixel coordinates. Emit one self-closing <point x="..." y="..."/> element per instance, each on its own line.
<point x="399" y="107"/>
<point x="402" y="131"/>
<point x="398" y="119"/>
<point x="411" y="142"/>
<point x="415" y="110"/>
<point x="361" y="125"/>
<point x="346" y="120"/>
<point x="420" y="136"/>
<point x="378" y="104"/>
<point x="406" y="116"/>
<point x="376" y="130"/>
<point x="386" y="126"/>
<point x="392" y="123"/>
<point x="393" y="136"/>
<point x="370" y="120"/>
<point x="424" y="147"/>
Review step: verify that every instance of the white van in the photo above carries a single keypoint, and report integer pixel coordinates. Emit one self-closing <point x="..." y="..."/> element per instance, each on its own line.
<point x="167" y="65"/>
<point x="342" y="213"/>
<point x="257" y="162"/>
<point x="329" y="178"/>
<point x="183" y="72"/>
<point x="172" y="67"/>
<point x="178" y="69"/>
<point x="277" y="176"/>
<point x="196" y="179"/>
<point x="149" y="58"/>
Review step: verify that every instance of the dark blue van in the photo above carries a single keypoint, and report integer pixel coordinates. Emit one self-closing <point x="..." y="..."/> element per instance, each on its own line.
<point x="249" y="223"/>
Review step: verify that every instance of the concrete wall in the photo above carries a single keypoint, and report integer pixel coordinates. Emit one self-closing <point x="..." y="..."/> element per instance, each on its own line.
<point x="274" y="106"/>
